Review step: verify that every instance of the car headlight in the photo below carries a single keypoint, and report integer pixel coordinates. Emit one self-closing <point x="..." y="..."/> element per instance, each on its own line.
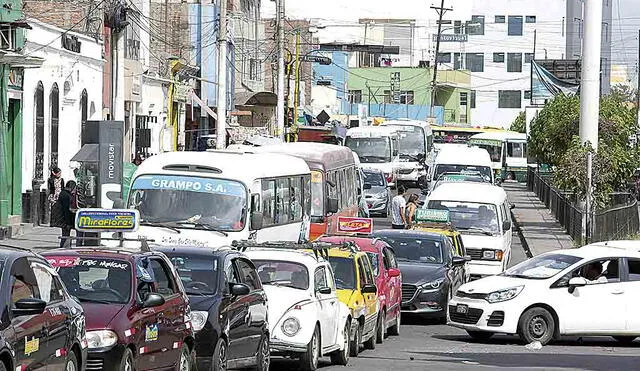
<point x="492" y="254"/>
<point x="503" y="295"/>
<point x="101" y="339"/>
<point x="290" y="326"/>
<point x="381" y="195"/>
<point x="198" y="319"/>
<point x="433" y="285"/>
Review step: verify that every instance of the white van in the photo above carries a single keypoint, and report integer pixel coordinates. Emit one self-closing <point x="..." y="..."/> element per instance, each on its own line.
<point x="481" y="212"/>
<point x="213" y="198"/>
<point x="415" y="148"/>
<point x="458" y="159"/>
<point x="377" y="148"/>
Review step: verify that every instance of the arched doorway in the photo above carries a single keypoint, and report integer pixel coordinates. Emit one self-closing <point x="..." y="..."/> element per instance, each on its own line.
<point x="84" y="101"/>
<point x="39" y="113"/>
<point x="54" y="104"/>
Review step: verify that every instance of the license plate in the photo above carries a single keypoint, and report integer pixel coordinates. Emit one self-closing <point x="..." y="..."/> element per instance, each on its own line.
<point x="462" y="309"/>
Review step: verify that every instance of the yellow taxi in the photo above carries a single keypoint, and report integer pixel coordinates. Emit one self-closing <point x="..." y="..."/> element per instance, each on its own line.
<point x="437" y="221"/>
<point x="355" y="283"/>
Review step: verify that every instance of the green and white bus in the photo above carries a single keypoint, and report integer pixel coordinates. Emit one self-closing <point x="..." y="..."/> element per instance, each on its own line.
<point x="508" y="152"/>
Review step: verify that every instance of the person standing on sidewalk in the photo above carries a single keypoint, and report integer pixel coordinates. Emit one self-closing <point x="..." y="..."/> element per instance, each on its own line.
<point x="398" y="213"/>
<point x="55" y="183"/>
<point x="61" y="214"/>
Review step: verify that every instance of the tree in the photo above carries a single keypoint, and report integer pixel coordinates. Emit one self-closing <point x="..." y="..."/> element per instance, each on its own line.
<point x="520" y="123"/>
<point x="552" y="130"/>
<point x="624" y="93"/>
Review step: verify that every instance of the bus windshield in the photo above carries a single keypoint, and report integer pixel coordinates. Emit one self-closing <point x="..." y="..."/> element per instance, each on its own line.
<point x="190" y="202"/>
<point x="371" y="150"/>
<point x="411" y="143"/>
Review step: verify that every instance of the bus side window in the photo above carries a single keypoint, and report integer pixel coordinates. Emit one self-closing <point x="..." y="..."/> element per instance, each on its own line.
<point x="296" y="201"/>
<point x="283" y="196"/>
<point x="269" y="202"/>
<point x="306" y="182"/>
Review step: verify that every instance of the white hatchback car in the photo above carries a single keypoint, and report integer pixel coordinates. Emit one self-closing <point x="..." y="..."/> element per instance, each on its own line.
<point x="589" y="291"/>
<point x="306" y="319"/>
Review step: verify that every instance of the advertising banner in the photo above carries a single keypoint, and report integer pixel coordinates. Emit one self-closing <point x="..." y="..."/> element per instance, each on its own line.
<point x="355" y="225"/>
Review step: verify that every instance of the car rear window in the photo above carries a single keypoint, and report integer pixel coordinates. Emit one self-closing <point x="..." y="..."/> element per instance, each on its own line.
<point x="97" y="280"/>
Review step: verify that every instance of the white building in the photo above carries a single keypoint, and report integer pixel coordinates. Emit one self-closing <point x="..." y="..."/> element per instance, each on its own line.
<point x="58" y="97"/>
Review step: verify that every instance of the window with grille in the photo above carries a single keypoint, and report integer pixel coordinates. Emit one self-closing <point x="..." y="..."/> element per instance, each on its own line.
<point x="475" y="62"/>
<point x="39" y="110"/>
<point x="54" y="102"/>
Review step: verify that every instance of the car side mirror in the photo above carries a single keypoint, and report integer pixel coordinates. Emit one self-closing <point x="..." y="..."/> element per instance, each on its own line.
<point x="153" y="300"/>
<point x="28" y="307"/>
<point x="257" y="220"/>
<point x="506" y="225"/>
<point x="369" y="289"/>
<point x="367" y="186"/>
<point x="576" y="282"/>
<point x="512" y="206"/>
<point x="394" y="272"/>
<point x="332" y="205"/>
<point x="459" y="260"/>
<point x="118" y="203"/>
<point x="324" y="290"/>
<point x="239" y="289"/>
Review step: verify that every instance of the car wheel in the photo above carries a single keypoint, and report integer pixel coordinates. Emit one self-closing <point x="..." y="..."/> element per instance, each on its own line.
<point x="625" y="339"/>
<point x="480" y="335"/>
<point x="382" y="324"/>
<point x="220" y="356"/>
<point x="395" y="329"/>
<point x="371" y="342"/>
<point x="341" y="357"/>
<point x="126" y="363"/>
<point x="355" y="343"/>
<point x="536" y="324"/>
<point x="72" y="362"/>
<point x="263" y="356"/>
<point x="309" y="360"/>
<point x="184" y="362"/>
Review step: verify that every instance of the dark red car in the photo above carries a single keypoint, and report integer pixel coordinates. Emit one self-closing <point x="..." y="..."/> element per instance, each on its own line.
<point x="388" y="280"/>
<point x="137" y="313"/>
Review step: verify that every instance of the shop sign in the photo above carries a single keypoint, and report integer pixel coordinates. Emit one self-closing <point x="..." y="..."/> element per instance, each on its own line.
<point x="71" y="43"/>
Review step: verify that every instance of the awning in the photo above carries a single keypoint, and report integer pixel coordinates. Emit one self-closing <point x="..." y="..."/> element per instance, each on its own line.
<point x="20" y="60"/>
<point x="88" y="153"/>
<point x="264" y="98"/>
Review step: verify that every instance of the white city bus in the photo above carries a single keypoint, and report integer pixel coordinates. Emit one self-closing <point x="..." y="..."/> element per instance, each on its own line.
<point x="213" y="198"/>
<point x="508" y="151"/>
<point x="377" y="148"/>
<point x="415" y="149"/>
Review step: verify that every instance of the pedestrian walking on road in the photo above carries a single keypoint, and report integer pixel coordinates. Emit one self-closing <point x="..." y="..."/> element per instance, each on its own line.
<point x="398" y="212"/>
<point x="412" y="206"/>
<point x="61" y="214"/>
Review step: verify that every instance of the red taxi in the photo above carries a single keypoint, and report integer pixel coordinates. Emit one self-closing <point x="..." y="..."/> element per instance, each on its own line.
<point x="388" y="280"/>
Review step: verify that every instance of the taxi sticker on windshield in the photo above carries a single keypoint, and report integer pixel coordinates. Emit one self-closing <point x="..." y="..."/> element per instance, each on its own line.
<point x="31" y="346"/>
<point x="151" y="333"/>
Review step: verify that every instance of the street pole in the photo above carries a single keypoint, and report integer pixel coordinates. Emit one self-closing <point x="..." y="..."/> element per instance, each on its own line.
<point x="590" y="94"/>
<point x="440" y="10"/>
<point x="221" y="122"/>
<point x="280" y="105"/>
<point x="296" y="93"/>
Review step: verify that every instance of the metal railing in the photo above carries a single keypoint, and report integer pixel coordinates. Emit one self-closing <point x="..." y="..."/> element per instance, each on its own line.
<point x="617" y="222"/>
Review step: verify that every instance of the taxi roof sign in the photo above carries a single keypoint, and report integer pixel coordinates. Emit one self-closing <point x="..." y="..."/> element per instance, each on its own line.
<point x="432" y="215"/>
<point x="107" y="220"/>
<point x="348" y="224"/>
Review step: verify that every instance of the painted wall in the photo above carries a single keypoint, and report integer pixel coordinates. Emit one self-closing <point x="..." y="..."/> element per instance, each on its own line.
<point x="72" y="72"/>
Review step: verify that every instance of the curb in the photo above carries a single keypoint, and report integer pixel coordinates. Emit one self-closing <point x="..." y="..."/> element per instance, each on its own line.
<point x="523" y="241"/>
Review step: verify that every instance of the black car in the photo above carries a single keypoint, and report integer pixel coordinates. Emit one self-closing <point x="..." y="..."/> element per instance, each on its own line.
<point x="228" y="307"/>
<point x="431" y="271"/>
<point x="42" y="326"/>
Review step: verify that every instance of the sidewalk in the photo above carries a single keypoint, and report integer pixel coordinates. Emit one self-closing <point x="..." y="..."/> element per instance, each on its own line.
<point x="35" y="238"/>
<point x="539" y="229"/>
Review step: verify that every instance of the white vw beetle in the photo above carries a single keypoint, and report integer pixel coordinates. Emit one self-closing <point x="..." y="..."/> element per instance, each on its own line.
<point x="306" y="319"/>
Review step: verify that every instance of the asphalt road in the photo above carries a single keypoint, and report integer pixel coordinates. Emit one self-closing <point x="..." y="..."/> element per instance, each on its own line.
<point x="428" y="345"/>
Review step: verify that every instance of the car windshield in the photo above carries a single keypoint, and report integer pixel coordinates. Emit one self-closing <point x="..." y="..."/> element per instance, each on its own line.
<point x="371" y="150"/>
<point x="411" y="142"/>
<point x="199" y="274"/>
<point x="97" y="280"/>
<point x="485" y="171"/>
<point x="542" y="266"/>
<point x="412" y="249"/>
<point x="190" y="202"/>
<point x="283" y="273"/>
<point x="344" y="272"/>
<point x="374" y="178"/>
<point x="470" y="216"/>
<point x="495" y="151"/>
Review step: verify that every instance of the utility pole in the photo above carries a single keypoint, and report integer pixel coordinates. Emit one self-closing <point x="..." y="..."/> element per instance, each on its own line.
<point x="280" y="105"/>
<point x="296" y="94"/>
<point x="221" y="122"/>
<point x="590" y="94"/>
<point x="440" y="10"/>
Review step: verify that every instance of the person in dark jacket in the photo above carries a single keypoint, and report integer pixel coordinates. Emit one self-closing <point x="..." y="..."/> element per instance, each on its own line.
<point x="55" y="183"/>
<point x="61" y="214"/>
